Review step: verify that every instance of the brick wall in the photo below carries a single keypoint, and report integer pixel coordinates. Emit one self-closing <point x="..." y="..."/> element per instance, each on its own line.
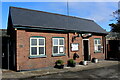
<point x="22" y="53"/>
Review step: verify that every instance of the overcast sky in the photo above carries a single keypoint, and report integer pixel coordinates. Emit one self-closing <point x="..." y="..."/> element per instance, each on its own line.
<point x="100" y="12"/>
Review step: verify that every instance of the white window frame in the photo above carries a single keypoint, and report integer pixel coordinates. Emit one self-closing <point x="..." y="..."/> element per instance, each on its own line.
<point x="96" y="45"/>
<point x="37" y="46"/>
<point x="58" y="46"/>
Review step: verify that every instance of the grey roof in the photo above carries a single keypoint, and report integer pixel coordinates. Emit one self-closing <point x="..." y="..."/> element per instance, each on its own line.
<point x="113" y="35"/>
<point x="40" y="19"/>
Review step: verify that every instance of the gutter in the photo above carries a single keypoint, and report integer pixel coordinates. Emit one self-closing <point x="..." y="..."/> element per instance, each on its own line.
<point x="54" y="29"/>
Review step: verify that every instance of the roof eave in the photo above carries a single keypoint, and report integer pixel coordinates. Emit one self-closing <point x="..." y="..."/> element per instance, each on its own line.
<point x="55" y="29"/>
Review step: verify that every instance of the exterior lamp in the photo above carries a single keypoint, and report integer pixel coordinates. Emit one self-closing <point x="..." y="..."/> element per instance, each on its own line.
<point x="74" y="37"/>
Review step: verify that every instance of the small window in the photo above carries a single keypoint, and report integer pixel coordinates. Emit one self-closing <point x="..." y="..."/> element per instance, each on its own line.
<point x="61" y="42"/>
<point x="55" y="49"/>
<point x="34" y="42"/>
<point x="34" y="50"/>
<point x="58" y="45"/>
<point x="37" y="46"/>
<point x="41" y="42"/>
<point x="97" y="45"/>
<point x="55" y="41"/>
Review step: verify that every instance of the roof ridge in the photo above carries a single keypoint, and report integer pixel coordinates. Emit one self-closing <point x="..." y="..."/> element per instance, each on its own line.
<point x="50" y="13"/>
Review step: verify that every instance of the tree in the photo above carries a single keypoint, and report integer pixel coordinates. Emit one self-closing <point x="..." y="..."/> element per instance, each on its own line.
<point x="115" y="27"/>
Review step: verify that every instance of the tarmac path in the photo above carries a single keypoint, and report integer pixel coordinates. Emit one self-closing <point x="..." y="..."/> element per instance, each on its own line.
<point x="102" y="70"/>
<point x="110" y="72"/>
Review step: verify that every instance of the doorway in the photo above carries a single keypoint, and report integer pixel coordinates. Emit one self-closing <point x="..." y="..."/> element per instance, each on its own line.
<point x="86" y="49"/>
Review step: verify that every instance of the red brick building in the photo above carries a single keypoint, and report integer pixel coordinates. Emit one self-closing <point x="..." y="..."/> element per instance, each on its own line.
<point x="38" y="39"/>
<point x="113" y="46"/>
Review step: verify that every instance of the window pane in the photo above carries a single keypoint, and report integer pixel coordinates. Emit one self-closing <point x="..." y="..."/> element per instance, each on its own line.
<point x="99" y="47"/>
<point x="41" y="41"/>
<point x="41" y="50"/>
<point x="96" y="48"/>
<point x="55" y="49"/>
<point x="34" y="50"/>
<point x="61" y="49"/>
<point x="99" y="42"/>
<point x="55" y="41"/>
<point x="95" y="41"/>
<point x="61" y="42"/>
<point x="33" y="41"/>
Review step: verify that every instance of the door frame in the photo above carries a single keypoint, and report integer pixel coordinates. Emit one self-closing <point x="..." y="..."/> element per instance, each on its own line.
<point x="83" y="46"/>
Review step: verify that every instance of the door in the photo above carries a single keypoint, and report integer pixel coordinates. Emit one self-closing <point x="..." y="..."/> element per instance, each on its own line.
<point x="113" y="49"/>
<point x="5" y="53"/>
<point x="86" y="50"/>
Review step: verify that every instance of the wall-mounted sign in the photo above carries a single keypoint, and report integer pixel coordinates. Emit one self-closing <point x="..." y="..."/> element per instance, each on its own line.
<point x="61" y="49"/>
<point x="74" y="47"/>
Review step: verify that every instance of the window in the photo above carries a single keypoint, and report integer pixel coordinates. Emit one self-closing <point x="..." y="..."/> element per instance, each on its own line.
<point x="97" y="45"/>
<point x="37" y="46"/>
<point x="58" y="45"/>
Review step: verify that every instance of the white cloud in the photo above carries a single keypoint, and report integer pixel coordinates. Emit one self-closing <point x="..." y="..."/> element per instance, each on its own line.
<point x="98" y="11"/>
<point x="102" y="13"/>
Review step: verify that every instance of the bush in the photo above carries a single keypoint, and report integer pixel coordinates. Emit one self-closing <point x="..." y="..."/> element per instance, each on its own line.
<point x="71" y="63"/>
<point x="59" y="64"/>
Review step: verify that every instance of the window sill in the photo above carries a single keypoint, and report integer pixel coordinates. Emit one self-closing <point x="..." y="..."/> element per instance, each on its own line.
<point x="54" y="55"/>
<point x="98" y="52"/>
<point x="40" y="56"/>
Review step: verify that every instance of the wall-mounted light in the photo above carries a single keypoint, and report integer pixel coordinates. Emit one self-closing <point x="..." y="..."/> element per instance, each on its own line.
<point x="74" y="37"/>
<point x="15" y="28"/>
